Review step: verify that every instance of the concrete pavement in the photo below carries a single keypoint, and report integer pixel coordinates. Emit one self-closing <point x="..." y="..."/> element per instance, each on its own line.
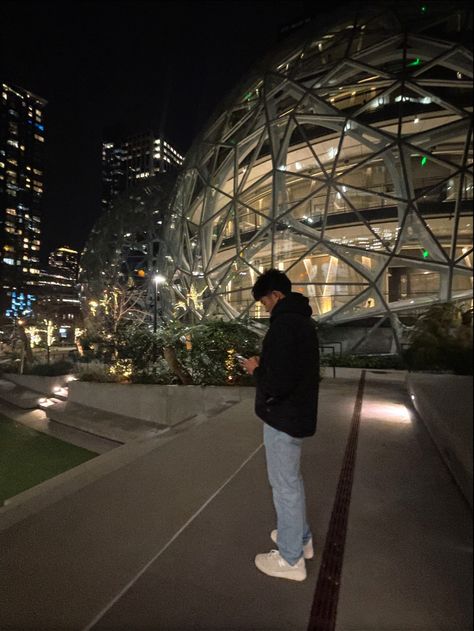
<point x="165" y="538"/>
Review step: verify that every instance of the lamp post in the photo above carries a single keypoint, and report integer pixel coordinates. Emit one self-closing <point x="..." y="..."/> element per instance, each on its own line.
<point x="158" y="279"/>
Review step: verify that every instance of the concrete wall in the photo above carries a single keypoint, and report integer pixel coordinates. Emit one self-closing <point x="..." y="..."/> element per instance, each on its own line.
<point x="44" y="385"/>
<point x="444" y="402"/>
<point x="166" y="405"/>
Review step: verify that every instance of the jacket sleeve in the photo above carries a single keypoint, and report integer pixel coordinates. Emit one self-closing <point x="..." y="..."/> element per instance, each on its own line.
<point x="277" y="375"/>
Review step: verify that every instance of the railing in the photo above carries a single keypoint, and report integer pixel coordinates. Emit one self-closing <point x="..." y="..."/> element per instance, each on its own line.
<point x="331" y="347"/>
<point x="313" y="209"/>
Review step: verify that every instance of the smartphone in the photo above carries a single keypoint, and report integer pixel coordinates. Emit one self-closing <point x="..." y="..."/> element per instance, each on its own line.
<point x="241" y="358"/>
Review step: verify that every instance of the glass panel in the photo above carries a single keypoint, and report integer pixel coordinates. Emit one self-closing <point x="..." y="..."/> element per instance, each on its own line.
<point x="236" y="284"/>
<point x="321" y="267"/>
<point x="220" y="257"/>
<point x="464" y="256"/>
<point x="258" y="194"/>
<point x="367" y="303"/>
<point x="446" y="141"/>
<point x="421" y="283"/>
<point x="348" y="229"/>
<point x="289" y="245"/>
<point x="462" y="283"/>
<point x="416" y="242"/>
<point x="326" y="298"/>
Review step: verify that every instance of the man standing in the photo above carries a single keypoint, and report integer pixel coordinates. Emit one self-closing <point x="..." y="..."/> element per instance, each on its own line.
<point x="287" y="377"/>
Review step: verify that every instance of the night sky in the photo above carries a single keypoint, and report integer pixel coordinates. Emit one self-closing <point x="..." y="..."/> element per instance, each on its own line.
<point x="142" y="64"/>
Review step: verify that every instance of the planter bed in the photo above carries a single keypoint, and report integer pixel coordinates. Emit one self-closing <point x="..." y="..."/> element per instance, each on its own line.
<point x="160" y="404"/>
<point x="44" y="385"/>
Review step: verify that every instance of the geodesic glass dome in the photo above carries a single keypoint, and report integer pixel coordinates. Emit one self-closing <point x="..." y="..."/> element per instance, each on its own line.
<point x="345" y="160"/>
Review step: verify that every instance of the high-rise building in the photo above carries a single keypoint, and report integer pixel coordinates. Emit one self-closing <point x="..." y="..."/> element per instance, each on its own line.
<point x="22" y="137"/>
<point x="57" y="293"/>
<point x="65" y="262"/>
<point x="133" y="159"/>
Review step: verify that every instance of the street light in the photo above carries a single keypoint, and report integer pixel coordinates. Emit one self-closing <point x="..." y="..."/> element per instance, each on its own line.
<point x="158" y="279"/>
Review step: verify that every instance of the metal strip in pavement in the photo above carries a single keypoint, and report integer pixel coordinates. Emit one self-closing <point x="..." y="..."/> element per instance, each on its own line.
<point x="326" y="596"/>
<point x="130" y="584"/>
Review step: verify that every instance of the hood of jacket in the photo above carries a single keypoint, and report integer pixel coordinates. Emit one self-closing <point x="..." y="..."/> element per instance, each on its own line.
<point x="293" y="303"/>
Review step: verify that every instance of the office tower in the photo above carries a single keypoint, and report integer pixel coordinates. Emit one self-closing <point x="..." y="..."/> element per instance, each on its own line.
<point x="65" y="262"/>
<point x="22" y="137"/>
<point x="133" y="159"/>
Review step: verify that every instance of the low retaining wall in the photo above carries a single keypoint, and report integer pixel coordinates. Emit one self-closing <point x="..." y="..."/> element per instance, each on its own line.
<point x="44" y="385"/>
<point x="444" y="402"/>
<point x="164" y="405"/>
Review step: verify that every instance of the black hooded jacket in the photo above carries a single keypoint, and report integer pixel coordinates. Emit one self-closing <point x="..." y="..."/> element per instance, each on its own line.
<point x="288" y="375"/>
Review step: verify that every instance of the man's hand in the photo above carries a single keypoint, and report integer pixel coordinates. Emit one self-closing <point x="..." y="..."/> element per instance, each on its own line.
<point x="251" y="363"/>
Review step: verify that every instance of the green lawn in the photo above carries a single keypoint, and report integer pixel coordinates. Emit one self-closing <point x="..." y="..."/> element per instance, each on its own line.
<point x="28" y="457"/>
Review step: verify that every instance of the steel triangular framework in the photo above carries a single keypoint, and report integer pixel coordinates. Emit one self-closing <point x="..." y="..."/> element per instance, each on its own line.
<point x="347" y="163"/>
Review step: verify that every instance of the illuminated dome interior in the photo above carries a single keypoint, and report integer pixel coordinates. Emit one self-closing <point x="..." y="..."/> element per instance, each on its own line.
<point x="345" y="161"/>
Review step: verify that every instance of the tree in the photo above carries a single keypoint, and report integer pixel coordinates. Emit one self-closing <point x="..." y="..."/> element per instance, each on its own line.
<point x="120" y="259"/>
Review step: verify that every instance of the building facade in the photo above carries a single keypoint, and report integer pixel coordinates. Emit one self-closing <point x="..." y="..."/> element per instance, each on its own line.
<point x="65" y="262"/>
<point x="347" y="163"/>
<point x="133" y="160"/>
<point x="22" y="138"/>
<point x="57" y="295"/>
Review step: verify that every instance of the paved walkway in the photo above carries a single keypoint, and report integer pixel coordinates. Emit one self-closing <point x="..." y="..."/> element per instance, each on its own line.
<point x="161" y="535"/>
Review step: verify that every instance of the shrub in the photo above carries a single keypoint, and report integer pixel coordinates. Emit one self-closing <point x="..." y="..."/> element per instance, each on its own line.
<point x="211" y="352"/>
<point x="10" y="365"/>
<point x="54" y="369"/>
<point x="159" y="374"/>
<point x="442" y="340"/>
<point x="95" y="371"/>
<point x="203" y="354"/>
<point x="139" y="345"/>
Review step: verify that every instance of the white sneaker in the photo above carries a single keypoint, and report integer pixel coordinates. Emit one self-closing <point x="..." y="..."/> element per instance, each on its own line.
<point x="308" y="551"/>
<point x="273" y="564"/>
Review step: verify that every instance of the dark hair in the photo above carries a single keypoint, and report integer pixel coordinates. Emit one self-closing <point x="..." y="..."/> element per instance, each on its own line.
<point x="271" y="280"/>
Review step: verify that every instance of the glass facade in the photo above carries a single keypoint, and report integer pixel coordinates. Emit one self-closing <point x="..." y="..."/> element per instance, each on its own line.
<point x="345" y="161"/>
<point x="22" y="137"/>
<point x="132" y="161"/>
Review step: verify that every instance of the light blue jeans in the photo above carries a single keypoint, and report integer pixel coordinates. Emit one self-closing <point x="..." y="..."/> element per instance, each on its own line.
<point x="283" y="454"/>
